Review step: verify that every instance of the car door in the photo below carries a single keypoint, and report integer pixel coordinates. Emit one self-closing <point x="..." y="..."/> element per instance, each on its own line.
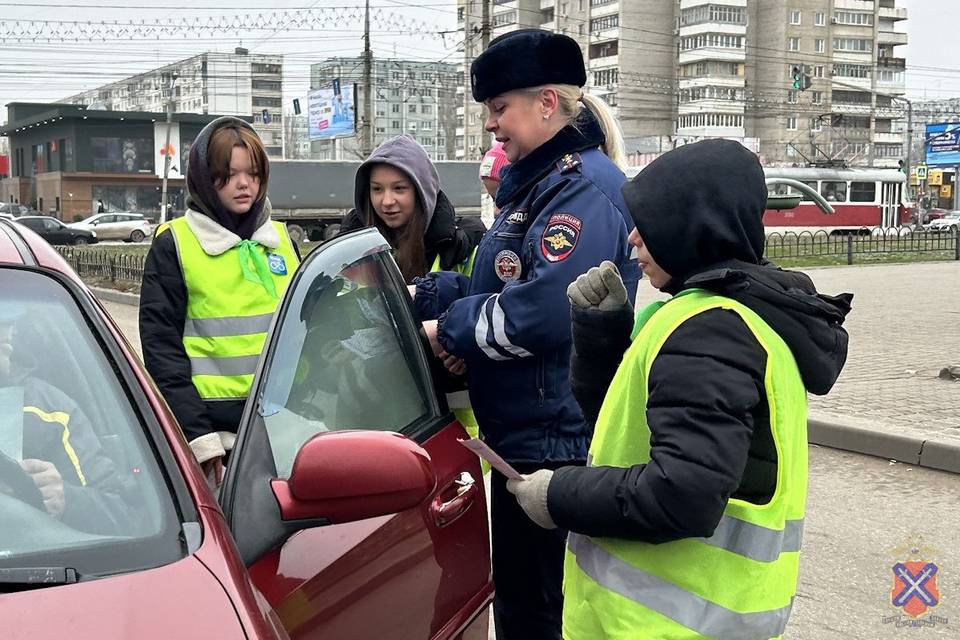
<point x="55" y="232"/>
<point x="345" y="353"/>
<point x="108" y="227"/>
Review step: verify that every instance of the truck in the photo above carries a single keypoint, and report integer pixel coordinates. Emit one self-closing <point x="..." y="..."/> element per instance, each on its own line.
<point x="312" y="196"/>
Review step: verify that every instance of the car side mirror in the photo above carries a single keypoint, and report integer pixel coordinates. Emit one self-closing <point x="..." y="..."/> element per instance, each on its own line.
<point x="344" y="476"/>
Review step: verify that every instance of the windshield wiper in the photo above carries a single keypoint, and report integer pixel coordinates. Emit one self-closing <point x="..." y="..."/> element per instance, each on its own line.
<point x="22" y="579"/>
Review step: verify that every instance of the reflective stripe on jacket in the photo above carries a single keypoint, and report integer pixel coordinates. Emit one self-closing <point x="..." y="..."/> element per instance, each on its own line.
<point x="740" y="582"/>
<point x="228" y="313"/>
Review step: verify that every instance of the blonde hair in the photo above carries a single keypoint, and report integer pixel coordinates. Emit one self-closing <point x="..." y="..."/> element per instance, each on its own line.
<point x="569" y="99"/>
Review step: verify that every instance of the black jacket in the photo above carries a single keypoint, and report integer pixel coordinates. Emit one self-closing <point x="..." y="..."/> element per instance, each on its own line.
<point x="448" y="236"/>
<point x="706" y="407"/>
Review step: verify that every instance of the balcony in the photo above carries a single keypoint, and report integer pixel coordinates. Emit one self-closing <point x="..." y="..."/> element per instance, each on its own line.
<point x="888" y="138"/>
<point x="891" y="63"/>
<point x="460" y="132"/>
<point x="547" y="26"/>
<point x="460" y="111"/>
<point x="546" y="4"/>
<point x="893" y="13"/>
<point x="891" y="37"/>
<point x="605" y="61"/>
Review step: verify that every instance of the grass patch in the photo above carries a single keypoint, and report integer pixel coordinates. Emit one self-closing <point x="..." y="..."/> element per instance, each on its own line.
<point x="862" y="259"/>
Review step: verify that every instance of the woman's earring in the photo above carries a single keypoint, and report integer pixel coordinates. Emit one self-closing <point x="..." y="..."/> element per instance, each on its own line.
<point x="546" y="116"/>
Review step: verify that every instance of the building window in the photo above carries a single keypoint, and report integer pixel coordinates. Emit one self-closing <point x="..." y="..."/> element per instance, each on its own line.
<point x="816" y="124"/>
<point x="793" y="44"/>
<point x="818" y="71"/>
<point x="853" y="44"/>
<point x="853" y="18"/>
<point x="819" y="45"/>
<point x="503" y="19"/>
<point x="600" y="3"/>
<point x="851" y="71"/>
<point x="712" y="13"/>
<point x="395" y="108"/>
<point x="817" y="97"/>
<point x="606" y="22"/>
<point x="795" y="17"/>
<point x="792" y="123"/>
<point x="716" y="40"/>
<point x="710" y="120"/>
<point x="411" y="108"/>
<point x="606" y="77"/>
<point x="603" y="49"/>
<point x="426" y="108"/>
<point x="820" y="19"/>
<point x="395" y="124"/>
<point x="792" y="96"/>
<point x="694" y="94"/>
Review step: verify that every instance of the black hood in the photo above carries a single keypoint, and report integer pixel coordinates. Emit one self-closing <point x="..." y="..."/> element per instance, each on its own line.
<point x="809" y="322"/>
<point x="699" y="210"/>
<point x="202" y="195"/>
<point x="699" y="205"/>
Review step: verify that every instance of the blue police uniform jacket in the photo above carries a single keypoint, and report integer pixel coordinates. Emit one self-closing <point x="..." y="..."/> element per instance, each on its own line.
<point x="562" y="213"/>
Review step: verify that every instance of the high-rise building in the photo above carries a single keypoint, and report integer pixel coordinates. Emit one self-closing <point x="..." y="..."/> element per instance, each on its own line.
<point x="801" y="81"/>
<point x="236" y="83"/>
<point x="408" y="96"/>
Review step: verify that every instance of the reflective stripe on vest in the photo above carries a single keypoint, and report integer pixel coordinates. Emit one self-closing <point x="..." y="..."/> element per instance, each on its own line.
<point x="738" y="583"/>
<point x="227" y="315"/>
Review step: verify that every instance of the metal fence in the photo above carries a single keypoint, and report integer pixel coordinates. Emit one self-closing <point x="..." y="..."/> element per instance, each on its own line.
<point x="105" y="264"/>
<point x="894" y="240"/>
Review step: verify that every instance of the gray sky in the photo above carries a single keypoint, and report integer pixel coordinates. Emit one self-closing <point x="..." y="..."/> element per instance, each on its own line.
<point x="44" y="72"/>
<point x="49" y="71"/>
<point x="933" y="52"/>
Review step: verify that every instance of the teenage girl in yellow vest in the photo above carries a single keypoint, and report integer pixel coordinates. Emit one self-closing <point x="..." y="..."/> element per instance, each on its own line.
<point x="211" y="284"/>
<point x="687" y="521"/>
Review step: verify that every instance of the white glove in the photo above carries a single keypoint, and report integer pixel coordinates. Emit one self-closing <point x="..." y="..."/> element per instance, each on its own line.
<point x="599" y="287"/>
<point x="531" y="493"/>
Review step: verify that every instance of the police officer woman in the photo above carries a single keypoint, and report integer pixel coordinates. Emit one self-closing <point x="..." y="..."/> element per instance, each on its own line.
<point x="561" y="213"/>
<point x="211" y="284"/>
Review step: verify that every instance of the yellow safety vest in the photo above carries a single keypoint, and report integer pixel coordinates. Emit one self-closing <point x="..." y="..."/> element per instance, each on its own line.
<point x="738" y="584"/>
<point x="460" y="402"/>
<point x="227" y="315"/>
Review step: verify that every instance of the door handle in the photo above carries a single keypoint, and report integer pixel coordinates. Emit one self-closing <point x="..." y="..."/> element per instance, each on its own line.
<point x="464" y="490"/>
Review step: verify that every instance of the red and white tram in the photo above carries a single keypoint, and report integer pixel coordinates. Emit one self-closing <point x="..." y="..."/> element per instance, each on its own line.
<point x="862" y="199"/>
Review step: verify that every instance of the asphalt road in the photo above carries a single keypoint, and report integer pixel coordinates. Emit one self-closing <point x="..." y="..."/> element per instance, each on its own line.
<point x="863" y="514"/>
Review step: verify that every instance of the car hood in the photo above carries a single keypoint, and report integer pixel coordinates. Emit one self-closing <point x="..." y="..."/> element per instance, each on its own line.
<point x="180" y="600"/>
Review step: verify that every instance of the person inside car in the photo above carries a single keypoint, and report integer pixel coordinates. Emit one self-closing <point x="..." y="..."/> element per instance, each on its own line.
<point x="48" y="435"/>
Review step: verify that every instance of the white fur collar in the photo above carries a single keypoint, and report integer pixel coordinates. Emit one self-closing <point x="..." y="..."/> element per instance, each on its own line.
<point x="216" y="240"/>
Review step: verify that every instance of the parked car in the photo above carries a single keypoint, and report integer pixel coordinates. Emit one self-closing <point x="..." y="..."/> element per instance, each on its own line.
<point x="16" y="210"/>
<point x="130" y="227"/>
<point x="349" y="509"/>
<point x="950" y="221"/>
<point x="55" y="232"/>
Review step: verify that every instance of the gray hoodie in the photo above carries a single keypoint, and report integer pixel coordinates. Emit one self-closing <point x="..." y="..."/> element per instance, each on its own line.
<point x="404" y="153"/>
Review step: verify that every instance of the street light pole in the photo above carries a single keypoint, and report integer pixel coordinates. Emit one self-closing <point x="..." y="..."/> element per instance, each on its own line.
<point x="166" y="152"/>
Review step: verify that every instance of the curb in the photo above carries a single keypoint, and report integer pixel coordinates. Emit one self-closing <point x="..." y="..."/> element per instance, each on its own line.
<point x="112" y="295"/>
<point x="942" y="455"/>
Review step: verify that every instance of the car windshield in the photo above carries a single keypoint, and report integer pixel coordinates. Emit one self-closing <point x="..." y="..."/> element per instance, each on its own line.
<point x="80" y="485"/>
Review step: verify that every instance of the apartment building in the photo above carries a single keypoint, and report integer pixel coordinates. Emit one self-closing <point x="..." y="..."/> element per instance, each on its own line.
<point x="687" y="69"/>
<point x="237" y="83"/>
<point x="413" y="97"/>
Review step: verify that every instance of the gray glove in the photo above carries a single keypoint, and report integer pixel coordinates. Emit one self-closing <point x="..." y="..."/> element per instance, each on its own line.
<point x="531" y="493"/>
<point x="599" y="287"/>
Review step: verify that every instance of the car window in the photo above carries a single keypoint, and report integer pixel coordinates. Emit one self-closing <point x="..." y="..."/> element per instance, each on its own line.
<point x="343" y="359"/>
<point x="108" y="219"/>
<point x="31" y="223"/>
<point x="863" y="191"/>
<point x="64" y="410"/>
<point x="834" y="191"/>
<point x="50" y="224"/>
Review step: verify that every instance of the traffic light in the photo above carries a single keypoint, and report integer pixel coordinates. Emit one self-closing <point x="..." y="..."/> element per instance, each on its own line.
<point x="800" y="75"/>
<point x="796" y="73"/>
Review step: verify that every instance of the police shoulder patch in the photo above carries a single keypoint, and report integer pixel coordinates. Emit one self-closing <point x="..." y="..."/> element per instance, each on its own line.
<point x="560" y="236"/>
<point x="569" y="162"/>
<point x="508" y="266"/>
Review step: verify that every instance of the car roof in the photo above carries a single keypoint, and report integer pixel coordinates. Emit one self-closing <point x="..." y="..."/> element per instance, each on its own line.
<point x="19" y="246"/>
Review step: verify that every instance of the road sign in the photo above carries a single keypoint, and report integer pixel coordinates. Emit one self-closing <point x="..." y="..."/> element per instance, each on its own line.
<point x="946" y="190"/>
<point x="935" y="177"/>
<point x="921" y="172"/>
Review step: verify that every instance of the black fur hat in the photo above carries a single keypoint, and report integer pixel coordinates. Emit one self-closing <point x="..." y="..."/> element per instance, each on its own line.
<point x="526" y="58"/>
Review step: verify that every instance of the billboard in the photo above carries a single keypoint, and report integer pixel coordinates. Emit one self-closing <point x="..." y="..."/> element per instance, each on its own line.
<point x="161" y="150"/>
<point x="330" y="112"/>
<point x="943" y="145"/>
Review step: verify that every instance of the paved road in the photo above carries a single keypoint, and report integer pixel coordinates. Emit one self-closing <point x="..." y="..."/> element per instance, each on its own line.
<point x="859" y="508"/>
<point x="903" y="330"/>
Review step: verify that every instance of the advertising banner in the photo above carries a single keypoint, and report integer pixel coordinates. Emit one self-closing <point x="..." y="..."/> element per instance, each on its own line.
<point x="943" y="145"/>
<point x="331" y="112"/>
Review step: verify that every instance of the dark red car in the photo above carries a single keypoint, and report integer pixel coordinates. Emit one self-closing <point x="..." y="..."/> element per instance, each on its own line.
<point x="349" y="510"/>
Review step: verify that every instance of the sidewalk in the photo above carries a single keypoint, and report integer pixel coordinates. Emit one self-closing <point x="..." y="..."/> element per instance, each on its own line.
<point x="888" y="402"/>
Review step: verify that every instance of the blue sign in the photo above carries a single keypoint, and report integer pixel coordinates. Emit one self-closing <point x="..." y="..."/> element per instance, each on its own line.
<point x="943" y="145"/>
<point x="331" y="112"/>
